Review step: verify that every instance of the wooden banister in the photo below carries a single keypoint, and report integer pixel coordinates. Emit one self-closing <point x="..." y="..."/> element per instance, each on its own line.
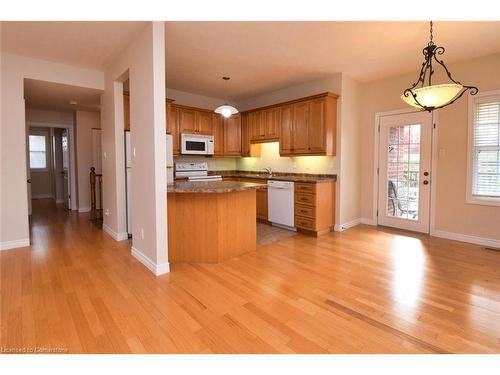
<point x="95" y="204"/>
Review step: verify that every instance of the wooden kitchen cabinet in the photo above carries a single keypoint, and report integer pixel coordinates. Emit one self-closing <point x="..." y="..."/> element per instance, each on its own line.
<point x="204" y="123"/>
<point x="232" y="135"/>
<point x="187" y="121"/>
<point x="264" y="125"/>
<point x="312" y="128"/>
<point x="256" y="126"/>
<point x="245" y="135"/>
<point x="173" y="127"/>
<point x="126" y="111"/>
<point x="262" y="209"/>
<point x="315" y="207"/>
<point x="218" y="130"/>
<point x="271" y="118"/>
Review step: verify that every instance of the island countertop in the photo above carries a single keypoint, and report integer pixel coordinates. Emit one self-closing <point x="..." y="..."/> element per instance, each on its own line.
<point x="211" y="186"/>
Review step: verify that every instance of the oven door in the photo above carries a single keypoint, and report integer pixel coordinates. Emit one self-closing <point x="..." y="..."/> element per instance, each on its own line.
<point x="193" y="145"/>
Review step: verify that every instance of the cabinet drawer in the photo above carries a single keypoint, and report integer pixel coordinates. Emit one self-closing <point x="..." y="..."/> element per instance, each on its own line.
<point x="306" y="188"/>
<point x="305" y="223"/>
<point x="305" y="198"/>
<point x="306" y="211"/>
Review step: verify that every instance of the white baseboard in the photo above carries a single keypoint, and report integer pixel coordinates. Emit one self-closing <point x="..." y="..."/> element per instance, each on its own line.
<point x="42" y="196"/>
<point x="14" y="244"/>
<point x="117" y="236"/>
<point x="157" y="269"/>
<point x="489" y="242"/>
<point x="367" y="221"/>
<point x="84" y="209"/>
<point x="59" y="201"/>
<point x="349" y="224"/>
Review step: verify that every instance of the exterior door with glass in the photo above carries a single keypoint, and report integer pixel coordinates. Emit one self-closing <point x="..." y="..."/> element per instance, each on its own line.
<point x="404" y="172"/>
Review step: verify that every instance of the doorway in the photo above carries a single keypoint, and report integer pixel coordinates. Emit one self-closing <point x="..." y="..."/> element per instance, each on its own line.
<point x="404" y="171"/>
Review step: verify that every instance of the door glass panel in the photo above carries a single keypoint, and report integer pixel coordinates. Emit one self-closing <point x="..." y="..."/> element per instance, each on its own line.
<point x="403" y="167"/>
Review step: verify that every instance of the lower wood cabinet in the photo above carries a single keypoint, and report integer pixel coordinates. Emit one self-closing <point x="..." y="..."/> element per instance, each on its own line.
<point x="315" y="207"/>
<point x="261" y="195"/>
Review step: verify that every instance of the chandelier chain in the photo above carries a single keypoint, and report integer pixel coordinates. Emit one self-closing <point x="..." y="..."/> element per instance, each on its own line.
<point x="431" y="36"/>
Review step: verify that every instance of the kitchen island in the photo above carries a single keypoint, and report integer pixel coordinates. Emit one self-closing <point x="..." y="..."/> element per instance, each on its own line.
<point x="210" y="221"/>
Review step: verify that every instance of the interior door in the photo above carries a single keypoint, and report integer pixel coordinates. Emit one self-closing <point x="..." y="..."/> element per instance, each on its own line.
<point x="404" y="171"/>
<point x="65" y="169"/>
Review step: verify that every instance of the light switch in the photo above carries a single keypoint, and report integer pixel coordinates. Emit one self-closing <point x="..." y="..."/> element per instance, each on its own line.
<point x="133" y="152"/>
<point x="105" y="155"/>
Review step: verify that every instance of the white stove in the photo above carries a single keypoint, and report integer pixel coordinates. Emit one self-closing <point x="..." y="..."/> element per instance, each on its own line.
<point x="195" y="171"/>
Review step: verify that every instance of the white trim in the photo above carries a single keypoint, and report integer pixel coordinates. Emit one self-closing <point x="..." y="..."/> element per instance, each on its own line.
<point x="349" y="224"/>
<point x="481" y="97"/>
<point x="489" y="242"/>
<point x="83" y="209"/>
<point x="42" y="196"/>
<point x="434" y="164"/>
<point x="14" y="244"/>
<point x="157" y="269"/>
<point x="117" y="236"/>
<point x="59" y="201"/>
<point x="368" y="221"/>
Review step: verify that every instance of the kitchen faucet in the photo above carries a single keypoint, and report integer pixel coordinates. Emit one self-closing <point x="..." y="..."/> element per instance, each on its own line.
<point x="269" y="171"/>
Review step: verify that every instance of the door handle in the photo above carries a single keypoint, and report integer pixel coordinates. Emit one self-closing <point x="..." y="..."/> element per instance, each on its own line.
<point x="28" y="181"/>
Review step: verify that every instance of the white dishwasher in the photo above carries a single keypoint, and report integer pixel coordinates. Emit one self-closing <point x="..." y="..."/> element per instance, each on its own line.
<point x="280" y="202"/>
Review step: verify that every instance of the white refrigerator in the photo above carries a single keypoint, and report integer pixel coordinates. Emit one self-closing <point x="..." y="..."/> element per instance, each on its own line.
<point x="128" y="172"/>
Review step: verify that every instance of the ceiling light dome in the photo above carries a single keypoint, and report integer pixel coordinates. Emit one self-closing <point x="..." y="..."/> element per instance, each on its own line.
<point x="226" y="110"/>
<point x="428" y="96"/>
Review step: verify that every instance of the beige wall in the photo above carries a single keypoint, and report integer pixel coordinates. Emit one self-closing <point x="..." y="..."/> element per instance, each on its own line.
<point x="452" y="214"/>
<point x="84" y="123"/>
<point x="144" y="60"/>
<point x="14" y="206"/>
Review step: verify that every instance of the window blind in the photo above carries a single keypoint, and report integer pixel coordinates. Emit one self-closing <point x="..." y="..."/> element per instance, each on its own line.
<point x="486" y="150"/>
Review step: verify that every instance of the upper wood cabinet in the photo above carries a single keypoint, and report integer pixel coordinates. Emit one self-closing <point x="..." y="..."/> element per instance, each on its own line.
<point x="245" y="135"/>
<point x="204" y="123"/>
<point x="126" y="111"/>
<point x="173" y="127"/>
<point x="187" y="121"/>
<point x="264" y="125"/>
<point x="218" y="129"/>
<point x="271" y="118"/>
<point x="232" y="135"/>
<point x="308" y="127"/>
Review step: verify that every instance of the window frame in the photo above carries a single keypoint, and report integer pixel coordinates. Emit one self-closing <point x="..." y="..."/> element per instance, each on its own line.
<point x="46" y="135"/>
<point x="481" y="97"/>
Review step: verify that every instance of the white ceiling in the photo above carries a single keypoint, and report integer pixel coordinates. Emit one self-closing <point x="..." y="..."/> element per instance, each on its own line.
<point x="55" y="96"/>
<point x="84" y="44"/>
<point x="259" y="56"/>
<point x="265" y="56"/>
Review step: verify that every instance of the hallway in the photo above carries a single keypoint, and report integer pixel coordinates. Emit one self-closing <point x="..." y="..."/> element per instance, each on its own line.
<point x="366" y="290"/>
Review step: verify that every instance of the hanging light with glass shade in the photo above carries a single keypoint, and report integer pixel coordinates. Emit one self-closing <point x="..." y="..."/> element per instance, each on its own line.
<point x="423" y="94"/>
<point x="226" y="110"/>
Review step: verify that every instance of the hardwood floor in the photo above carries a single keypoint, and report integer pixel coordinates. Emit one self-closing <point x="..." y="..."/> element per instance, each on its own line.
<point x="365" y="290"/>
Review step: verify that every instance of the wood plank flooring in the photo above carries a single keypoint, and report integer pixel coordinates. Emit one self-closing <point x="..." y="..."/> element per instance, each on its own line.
<point x="365" y="290"/>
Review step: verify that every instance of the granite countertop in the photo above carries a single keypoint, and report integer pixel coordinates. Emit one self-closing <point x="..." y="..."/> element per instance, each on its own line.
<point x="294" y="177"/>
<point x="211" y="186"/>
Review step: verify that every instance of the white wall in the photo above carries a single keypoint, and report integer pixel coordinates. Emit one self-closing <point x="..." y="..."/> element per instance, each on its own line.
<point x="144" y="60"/>
<point x="14" y="206"/>
<point x="85" y="121"/>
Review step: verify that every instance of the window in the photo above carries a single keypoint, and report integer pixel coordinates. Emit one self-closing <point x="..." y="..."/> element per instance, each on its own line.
<point x="484" y="149"/>
<point x="38" y="152"/>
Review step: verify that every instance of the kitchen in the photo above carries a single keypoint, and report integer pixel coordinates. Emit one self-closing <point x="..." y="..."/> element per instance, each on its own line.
<point x="302" y="131"/>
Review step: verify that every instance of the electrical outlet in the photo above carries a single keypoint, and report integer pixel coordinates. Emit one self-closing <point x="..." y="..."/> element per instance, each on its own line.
<point x="142" y="233"/>
<point x="106" y="212"/>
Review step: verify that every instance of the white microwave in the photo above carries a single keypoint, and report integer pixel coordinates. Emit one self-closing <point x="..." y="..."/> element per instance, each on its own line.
<point x="197" y="144"/>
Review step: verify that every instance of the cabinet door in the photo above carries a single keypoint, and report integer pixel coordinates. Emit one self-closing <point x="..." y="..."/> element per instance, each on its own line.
<point x="257" y="128"/>
<point x="261" y="202"/>
<point x="271" y="123"/>
<point x="300" y="127"/>
<point x="173" y="126"/>
<point x="187" y="121"/>
<point x="316" y="126"/>
<point x="286" y="125"/>
<point x="245" y="136"/>
<point x="232" y="135"/>
<point x="218" y="128"/>
<point x="204" y="123"/>
<point x="126" y="112"/>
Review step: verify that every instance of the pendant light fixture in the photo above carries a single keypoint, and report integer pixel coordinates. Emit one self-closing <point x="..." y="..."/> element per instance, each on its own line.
<point x="226" y="110"/>
<point x="423" y="94"/>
